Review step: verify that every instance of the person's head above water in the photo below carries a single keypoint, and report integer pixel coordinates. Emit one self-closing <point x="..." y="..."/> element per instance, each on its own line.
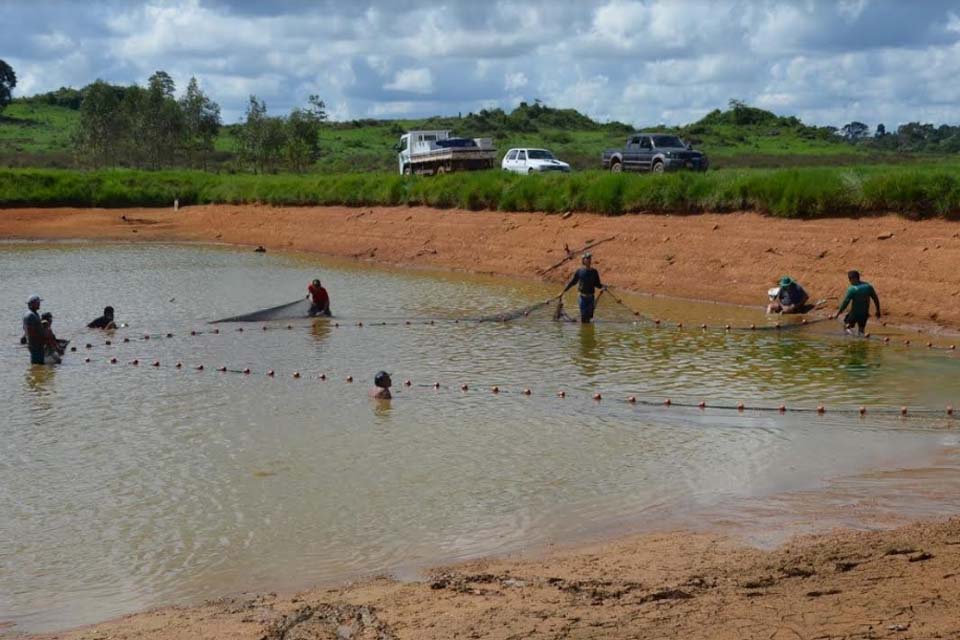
<point x="47" y="316"/>
<point x="853" y="276"/>
<point x="586" y="259"/>
<point x="382" y="380"/>
<point x="316" y="282"/>
<point x="34" y="302"/>
<point x="108" y="311"/>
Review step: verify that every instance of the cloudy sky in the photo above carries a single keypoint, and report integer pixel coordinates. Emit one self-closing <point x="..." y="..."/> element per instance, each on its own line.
<point x="640" y="61"/>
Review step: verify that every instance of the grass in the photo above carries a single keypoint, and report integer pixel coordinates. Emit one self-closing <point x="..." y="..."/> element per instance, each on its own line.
<point x="916" y="191"/>
<point x="39" y="134"/>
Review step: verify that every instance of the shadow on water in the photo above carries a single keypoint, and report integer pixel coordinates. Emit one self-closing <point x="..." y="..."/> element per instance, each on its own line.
<point x="40" y="378"/>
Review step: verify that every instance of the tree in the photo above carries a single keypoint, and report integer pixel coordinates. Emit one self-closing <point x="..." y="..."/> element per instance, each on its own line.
<point x="8" y="80"/>
<point x="102" y="124"/>
<point x="881" y="131"/>
<point x="261" y="137"/>
<point x="161" y="120"/>
<point x="201" y="121"/>
<point x="854" y="131"/>
<point x="302" y="144"/>
<point x="160" y="83"/>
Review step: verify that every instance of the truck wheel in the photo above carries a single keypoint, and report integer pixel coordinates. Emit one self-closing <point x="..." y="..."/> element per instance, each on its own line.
<point x="407" y="170"/>
<point x="657" y="167"/>
<point x="616" y="167"/>
<point x="529" y="172"/>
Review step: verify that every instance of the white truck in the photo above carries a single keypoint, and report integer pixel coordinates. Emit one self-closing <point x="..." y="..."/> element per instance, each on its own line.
<point x="436" y="152"/>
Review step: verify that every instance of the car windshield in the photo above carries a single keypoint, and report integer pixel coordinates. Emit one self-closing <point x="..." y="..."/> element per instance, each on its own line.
<point x="668" y="141"/>
<point x="540" y="154"/>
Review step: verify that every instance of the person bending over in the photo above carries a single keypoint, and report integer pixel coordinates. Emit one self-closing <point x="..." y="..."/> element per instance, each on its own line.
<point x="52" y="349"/>
<point x="319" y="299"/>
<point x="587" y="280"/>
<point x="791" y="297"/>
<point x="859" y="295"/>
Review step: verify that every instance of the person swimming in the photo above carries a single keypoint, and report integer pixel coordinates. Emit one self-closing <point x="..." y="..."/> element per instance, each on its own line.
<point x="105" y="321"/>
<point x="381" y="386"/>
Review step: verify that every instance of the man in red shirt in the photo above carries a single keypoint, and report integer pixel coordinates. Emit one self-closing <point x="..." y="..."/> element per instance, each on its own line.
<point x="320" y="301"/>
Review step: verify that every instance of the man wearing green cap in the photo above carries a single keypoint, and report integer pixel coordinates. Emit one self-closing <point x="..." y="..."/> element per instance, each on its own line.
<point x="859" y="295"/>
<point x="789" y="298"/>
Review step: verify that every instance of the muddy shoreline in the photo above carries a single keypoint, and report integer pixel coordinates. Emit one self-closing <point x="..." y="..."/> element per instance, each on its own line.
<point x="848" y="584"/>
<point x="731" y="258"/>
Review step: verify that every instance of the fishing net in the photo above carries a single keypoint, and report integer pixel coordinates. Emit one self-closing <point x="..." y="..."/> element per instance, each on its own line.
<point x="516" y="314"/>
<point x="566" y="309"/>
<point x="290" y="311"/>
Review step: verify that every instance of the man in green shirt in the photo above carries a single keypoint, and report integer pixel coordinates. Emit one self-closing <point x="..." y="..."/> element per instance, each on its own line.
<point x="859" y="295"/>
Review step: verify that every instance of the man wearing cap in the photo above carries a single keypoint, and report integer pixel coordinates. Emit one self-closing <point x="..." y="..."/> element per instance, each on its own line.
<point x="859" y="295"/>
<point x="790" y="297"/>
<point x="587" y="280"/>
<point x="33" y="330"/>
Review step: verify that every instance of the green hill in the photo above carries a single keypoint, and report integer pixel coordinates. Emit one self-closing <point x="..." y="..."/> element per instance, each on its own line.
<point x="38" y="132"/>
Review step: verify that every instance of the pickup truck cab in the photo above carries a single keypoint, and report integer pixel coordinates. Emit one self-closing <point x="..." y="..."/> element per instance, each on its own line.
<point x="656" y="152"/>
<point x="532" y="161"/>
<point x="436" y="152"/>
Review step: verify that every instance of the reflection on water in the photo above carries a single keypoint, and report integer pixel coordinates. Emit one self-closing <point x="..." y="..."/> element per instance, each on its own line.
<point x="124" y="487"/>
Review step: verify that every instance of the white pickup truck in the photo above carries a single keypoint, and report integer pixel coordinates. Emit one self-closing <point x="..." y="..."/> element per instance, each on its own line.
<point x="436" y="152"/>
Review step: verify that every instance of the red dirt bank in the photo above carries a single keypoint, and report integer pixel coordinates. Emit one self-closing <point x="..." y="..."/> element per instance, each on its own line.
<point x="722" y="257"/>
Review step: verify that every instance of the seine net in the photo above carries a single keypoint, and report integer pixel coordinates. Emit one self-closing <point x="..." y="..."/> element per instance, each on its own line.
<point x="290" y="311"/>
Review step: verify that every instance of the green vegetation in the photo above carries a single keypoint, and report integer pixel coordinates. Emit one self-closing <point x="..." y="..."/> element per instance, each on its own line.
<point x="916" y="191"/>
<point x="43" y="131"/>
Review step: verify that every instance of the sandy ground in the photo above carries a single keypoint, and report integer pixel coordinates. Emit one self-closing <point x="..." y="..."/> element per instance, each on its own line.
<point x="903" y="583"/>
<point x="724" y="257"/>
<point x="894" y="584"/>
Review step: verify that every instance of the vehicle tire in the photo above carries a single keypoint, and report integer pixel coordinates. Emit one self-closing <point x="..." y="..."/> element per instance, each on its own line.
<point x="616" y="167"/>
<point x="407" y="170"/>
<point x="530" y="172"/>
<point x="657" y="167"/>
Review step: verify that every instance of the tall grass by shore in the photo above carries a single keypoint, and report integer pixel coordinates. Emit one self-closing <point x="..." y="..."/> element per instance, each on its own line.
<point x="917" y="191"/>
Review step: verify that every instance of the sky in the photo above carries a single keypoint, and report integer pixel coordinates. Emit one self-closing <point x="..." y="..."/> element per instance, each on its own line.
<point x="642" y="62"/>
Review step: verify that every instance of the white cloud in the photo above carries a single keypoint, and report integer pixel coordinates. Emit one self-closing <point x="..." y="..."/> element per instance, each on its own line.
<point x="641" y="61"/>
<point x="514" y="81"/>
<point x="419" y="80"/>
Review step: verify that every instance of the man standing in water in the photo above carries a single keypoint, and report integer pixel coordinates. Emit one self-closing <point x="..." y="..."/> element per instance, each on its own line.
<point x="859" y="295"/>
<point x="320" y="300"/>
<point x="587" y="280"/>
<point x="33" y="330"/>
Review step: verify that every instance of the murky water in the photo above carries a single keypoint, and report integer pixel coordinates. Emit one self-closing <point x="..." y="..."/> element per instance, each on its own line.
<point x="126" y="487"/>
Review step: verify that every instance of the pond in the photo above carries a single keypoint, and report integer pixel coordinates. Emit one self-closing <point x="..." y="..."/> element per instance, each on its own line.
<point x="124" y="487"/>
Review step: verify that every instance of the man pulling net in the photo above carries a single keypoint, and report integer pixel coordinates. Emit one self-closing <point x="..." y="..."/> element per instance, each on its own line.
<point x="587" y="280"/>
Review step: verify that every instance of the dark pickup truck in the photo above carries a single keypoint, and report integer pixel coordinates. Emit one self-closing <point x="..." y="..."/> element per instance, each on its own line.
<point x="657" y="152"/>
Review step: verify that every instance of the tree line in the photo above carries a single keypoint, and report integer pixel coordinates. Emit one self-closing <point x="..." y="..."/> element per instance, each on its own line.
<point x="151" y="128"/>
